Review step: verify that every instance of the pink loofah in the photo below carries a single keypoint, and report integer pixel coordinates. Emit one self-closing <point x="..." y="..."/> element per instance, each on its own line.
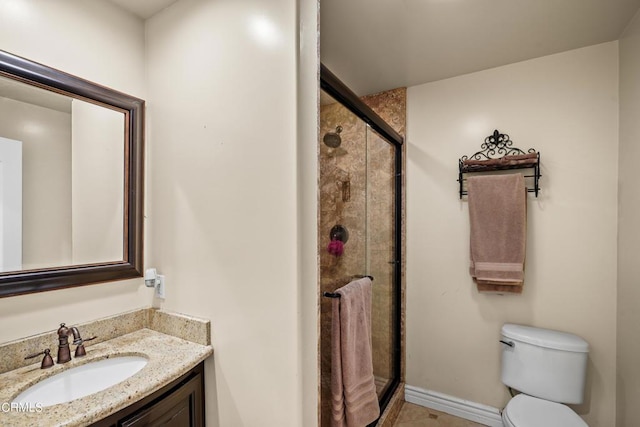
<point x="336" y="247"/>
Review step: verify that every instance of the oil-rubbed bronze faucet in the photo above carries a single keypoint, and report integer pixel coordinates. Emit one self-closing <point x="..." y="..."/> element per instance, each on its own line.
<point x="64" y="354"/>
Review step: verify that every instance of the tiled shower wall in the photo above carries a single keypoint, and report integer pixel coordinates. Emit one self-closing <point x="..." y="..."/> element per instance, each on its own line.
<point x="357" y="191"/>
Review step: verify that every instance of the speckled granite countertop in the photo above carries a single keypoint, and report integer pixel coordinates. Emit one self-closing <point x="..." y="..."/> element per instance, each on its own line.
<point x="169" y="358"/>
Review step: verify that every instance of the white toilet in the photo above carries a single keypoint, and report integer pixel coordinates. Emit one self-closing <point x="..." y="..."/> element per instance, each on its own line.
<point x="548" y="368"/>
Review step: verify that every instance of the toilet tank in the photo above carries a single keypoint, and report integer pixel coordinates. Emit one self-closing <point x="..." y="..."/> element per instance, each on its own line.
<point x="544" y="363"/>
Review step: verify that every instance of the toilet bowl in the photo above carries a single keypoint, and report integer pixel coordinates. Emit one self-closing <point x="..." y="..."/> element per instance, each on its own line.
<point x="529" y="411"/>
<point x="548" y="368"/>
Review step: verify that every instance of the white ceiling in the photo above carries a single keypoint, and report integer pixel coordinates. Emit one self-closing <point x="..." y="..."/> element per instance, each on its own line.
<point x="144" y="9"/>
<point x="376" y="45"/>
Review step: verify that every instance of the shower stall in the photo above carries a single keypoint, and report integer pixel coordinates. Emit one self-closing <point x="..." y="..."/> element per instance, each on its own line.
<point x="360" y="179"/>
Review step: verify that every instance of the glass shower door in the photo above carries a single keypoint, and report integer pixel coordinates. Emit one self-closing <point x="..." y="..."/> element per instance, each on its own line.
<point x="357" y="183"/>
<point x="380" y="258"/>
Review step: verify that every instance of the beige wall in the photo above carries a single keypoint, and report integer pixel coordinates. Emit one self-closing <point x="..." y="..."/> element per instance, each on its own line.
<point x="96" y="41"/>
<point x="308" y="67"/>
<point x="227" y="203"/>
<point x="628" y="384"/>
<point x="46" y="186"/>
<point x="565" y="106"/>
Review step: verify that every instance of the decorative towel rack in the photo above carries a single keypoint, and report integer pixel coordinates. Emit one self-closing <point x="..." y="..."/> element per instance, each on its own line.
<point x="336" y="295"/>
<point x="498" y="154"/>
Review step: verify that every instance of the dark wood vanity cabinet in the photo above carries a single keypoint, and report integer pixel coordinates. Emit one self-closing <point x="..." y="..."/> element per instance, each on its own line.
<point x="179" y="404"/>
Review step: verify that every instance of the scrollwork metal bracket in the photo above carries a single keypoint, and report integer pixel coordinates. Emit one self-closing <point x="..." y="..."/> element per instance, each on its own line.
<point x="497" y="146"/>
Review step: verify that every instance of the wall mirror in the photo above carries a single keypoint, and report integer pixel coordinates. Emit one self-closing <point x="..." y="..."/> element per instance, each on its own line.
<point x="71" y="180"/>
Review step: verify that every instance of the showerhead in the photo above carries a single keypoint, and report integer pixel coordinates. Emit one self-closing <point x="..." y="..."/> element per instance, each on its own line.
<point x="332" y="139"/>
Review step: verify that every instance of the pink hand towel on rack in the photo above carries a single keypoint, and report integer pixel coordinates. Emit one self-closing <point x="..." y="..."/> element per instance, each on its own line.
<point x="498" y="219"/>
<point x="354" y="400"/>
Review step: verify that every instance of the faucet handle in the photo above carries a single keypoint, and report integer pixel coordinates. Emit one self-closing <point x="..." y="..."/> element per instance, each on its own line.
<point x="80" y="350"/>
<point x="47" y="360"/>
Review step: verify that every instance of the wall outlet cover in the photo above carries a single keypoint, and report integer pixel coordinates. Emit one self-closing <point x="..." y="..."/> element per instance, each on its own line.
<point x="160" y="287"/>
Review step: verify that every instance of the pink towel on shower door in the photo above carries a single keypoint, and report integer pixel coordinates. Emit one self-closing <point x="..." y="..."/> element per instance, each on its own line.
<point x="354" y="402"/>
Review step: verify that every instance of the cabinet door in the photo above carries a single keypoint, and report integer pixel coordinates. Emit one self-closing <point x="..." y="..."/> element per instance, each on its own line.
<point x="181" y="408"/>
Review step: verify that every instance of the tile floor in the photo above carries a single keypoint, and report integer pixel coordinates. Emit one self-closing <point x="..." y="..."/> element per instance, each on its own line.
<point x="417" y="416"/>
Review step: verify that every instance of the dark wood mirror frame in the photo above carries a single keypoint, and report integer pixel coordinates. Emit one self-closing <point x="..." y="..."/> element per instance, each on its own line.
<point x="28" y="281"/>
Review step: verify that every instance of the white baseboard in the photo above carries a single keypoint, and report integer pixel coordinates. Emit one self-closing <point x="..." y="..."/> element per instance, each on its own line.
<point x="466" y="409"/>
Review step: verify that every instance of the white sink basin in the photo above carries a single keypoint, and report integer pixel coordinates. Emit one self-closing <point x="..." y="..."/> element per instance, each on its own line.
<point x="81" y="381"/>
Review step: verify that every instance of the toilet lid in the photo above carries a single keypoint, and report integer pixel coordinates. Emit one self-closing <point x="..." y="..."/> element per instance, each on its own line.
<point x="528" y="411"/>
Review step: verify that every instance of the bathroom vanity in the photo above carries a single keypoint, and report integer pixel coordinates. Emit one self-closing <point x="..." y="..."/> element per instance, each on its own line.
<point x="180" y="403"/>
<point x="168" y="389"/>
